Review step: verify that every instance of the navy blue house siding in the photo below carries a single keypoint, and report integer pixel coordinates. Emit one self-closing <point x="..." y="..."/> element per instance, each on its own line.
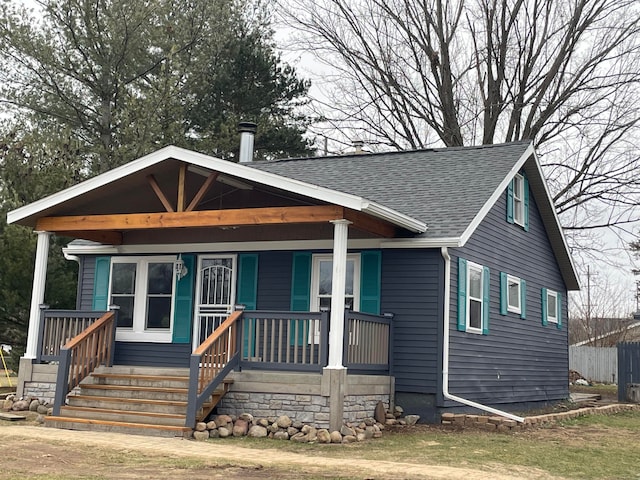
<point x="519" y="360"/>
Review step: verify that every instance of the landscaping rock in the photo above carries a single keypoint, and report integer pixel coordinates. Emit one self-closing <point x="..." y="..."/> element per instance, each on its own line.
<point x="284" y="421"/>
<point x="412" y="419"/>
<point x="211" y="425"/>
<point x="201" y="427"/>
<point x="7" y="404"/>
<point x="224" y="432"/>
<point x="33" y="406"/>
<point x="42" y="409"/>
<point x="300" y="437"/>
<point x="257" y="431"/>
<point x="349" y="439"/>
<point x="336" y="437"/>
<point x="347" y="431"/>
<point x="214" y="433"/>
<point x="241" y="427"/>
<point x="200" y="435"/>
<point x="247" y="417"/>
<point x="281" y="435"/>
<point x="20" y="406"/>
<point x="324" y="436"/>
<point x="380" y="413"/>
<point x="223" y="420"/>
<point x="292" y="431"/>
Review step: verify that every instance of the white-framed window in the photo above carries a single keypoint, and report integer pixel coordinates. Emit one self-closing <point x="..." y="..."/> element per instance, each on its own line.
<point x="322" y="283"/>
<point x="144" y="289"/>
<point x="552" y="306"/>
<point x="513" y="295"/>
<point x="518" y="200"/>
<point x="473" y="297"/>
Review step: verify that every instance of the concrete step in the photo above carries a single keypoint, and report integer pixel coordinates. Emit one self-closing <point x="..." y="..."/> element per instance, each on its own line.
<point x="131" y="428"/>
<point x="128" y="391"/>
<point x="164" y="381"/>
<point x="116" y="415"/>
<point x="136" y="370"/>
<point x="128" y="404"/>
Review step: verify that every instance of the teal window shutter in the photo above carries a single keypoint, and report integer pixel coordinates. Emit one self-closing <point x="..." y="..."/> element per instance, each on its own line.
<point x="559" y="303"/>
<point x="510" y="202"/>
<point x="300" y="291"/>
<point x="545" y="320"/>
<point x="486" y="291"/>
<point x="183" y="306"/>
<point x="247" y="295"/>
<point x="101" y="283"/>
<point x="462" y="294"/>
<point x="504" y="294"/>
<point x="525" y="185"/>
<point x="523" y="299"/>
<point x="248" y="280"/>
<point x="370" y="275"/>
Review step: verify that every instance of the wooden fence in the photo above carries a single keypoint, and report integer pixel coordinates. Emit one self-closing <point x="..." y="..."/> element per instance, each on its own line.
<point x="597" y="364"/>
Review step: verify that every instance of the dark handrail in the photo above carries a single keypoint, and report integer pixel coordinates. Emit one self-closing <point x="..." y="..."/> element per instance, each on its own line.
<point x="211" y="362"/>
<point x="83" y="354"/>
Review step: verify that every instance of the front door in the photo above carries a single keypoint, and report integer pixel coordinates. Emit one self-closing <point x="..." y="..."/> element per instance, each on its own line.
<point x="215" y="294"/>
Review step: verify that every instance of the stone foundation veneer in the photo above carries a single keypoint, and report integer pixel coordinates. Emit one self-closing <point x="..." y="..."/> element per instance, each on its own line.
<point x="303" y="397"/>
<point x="37" y="380"/>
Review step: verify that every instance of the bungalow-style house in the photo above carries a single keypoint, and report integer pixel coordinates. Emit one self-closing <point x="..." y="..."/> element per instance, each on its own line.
<point x="316" y="287"/>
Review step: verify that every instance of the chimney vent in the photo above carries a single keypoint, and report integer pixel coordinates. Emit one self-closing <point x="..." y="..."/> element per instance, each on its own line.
<point x="357" y="145"/>
<point x="247" y="132"/>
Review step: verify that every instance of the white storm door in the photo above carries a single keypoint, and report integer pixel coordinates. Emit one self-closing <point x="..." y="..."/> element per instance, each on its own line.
<point x="215" y="294"/>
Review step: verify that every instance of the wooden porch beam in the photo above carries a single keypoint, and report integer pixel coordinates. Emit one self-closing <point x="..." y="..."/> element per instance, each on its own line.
<point x="181" y="187"/>
<point x="156" y="188"/>
<point x="370" y="224"/>
<point x="202" y="218"/>
<point x="203" y="190"/>
<point x="105" y="237"/>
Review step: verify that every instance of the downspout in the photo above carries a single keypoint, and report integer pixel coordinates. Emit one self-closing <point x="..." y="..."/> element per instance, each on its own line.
<point x="76" y="259"/>
<point x="445" y="348"/>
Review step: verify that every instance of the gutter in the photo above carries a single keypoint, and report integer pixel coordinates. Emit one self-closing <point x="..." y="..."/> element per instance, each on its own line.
<point x="445" y="348"/>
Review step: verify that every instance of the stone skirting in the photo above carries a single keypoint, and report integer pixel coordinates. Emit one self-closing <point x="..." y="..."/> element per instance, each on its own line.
<point x="502" y="424"/>
<point x="304" y="396"/>
<point x="37" y="380"/>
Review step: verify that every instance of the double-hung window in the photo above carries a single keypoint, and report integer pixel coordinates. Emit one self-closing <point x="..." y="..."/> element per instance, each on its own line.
<point x="513" y="295"/>
<point x="518" y="201"/>
<point x="551" y="307"/>
<point x="473" y="297"/>
<point x="144" y="289"/>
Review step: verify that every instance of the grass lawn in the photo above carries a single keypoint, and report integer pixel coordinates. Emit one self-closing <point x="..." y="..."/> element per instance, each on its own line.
<point x="592" y="447"/>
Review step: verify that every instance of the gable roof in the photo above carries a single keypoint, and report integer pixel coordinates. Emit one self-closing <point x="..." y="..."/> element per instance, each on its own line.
<point x="439" y="196"/>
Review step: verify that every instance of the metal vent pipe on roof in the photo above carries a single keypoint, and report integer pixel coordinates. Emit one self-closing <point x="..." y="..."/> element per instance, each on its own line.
<point x="358" y="146"/>
<point x="247" y="132"/>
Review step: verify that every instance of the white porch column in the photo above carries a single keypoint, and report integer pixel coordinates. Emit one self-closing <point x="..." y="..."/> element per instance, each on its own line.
<point x="336" y="322"/>
<point x="37" y="295"/>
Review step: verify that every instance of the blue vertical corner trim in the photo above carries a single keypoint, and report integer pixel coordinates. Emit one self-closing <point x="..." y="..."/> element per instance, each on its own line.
<point x="486" y="299"/>
<point x="510" y="202"/>
<point x="559" y="303"/>
<point x="183" y="306"/>
<point x="504" y="294"/>
<point x="525" y="188"/>
<point x="523" y="299"/>
<point x="301" y="282"/>
<point x="545" y="320"/>
<point x="248" y="280"/>
<point x="101" y="283"/>
<point x="462" y="294"/>
<point x="370" y="279"/>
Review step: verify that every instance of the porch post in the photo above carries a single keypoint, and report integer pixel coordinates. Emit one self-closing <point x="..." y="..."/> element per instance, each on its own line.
<point x="37" y="295"/>
<point x="336" y="321"/>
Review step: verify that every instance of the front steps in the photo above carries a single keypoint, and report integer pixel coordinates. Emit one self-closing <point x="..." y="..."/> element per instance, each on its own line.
<point x="134" y="400"/>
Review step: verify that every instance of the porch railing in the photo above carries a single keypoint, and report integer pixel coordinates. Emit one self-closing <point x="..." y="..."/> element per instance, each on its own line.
<point x="83" y="353"/>
<point x="285" y="340"/>
<point x="367" y="342"/>
<point x="57" y="327"/>
<point x="211" y="362"/>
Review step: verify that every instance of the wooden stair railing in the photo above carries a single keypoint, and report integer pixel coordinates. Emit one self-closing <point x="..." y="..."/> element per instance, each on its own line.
<point x="211" y="362"/>
<point x="81" y="355"/>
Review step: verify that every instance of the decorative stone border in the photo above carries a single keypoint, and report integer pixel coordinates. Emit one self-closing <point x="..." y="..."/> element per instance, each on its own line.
<point x="501" y="424"/>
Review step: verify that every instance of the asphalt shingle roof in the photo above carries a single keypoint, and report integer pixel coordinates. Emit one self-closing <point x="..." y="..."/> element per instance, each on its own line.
<point x="445" y="188"/>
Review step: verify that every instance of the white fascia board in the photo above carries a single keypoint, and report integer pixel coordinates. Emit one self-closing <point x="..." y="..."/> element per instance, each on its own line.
<point x="97" y="182"/>
<point x="395" y="217"/>
<point x="290" y="245"/>
<point x="484" y="211"/>
<point x="223" y="166"/>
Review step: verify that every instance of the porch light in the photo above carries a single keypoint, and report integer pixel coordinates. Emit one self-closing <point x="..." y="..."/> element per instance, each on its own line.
<point x="181" y="270"/>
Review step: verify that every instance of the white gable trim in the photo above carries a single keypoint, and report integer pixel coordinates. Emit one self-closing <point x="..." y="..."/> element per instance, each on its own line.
<point x="212" y="163"/>
<point x="484" y="211"/>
